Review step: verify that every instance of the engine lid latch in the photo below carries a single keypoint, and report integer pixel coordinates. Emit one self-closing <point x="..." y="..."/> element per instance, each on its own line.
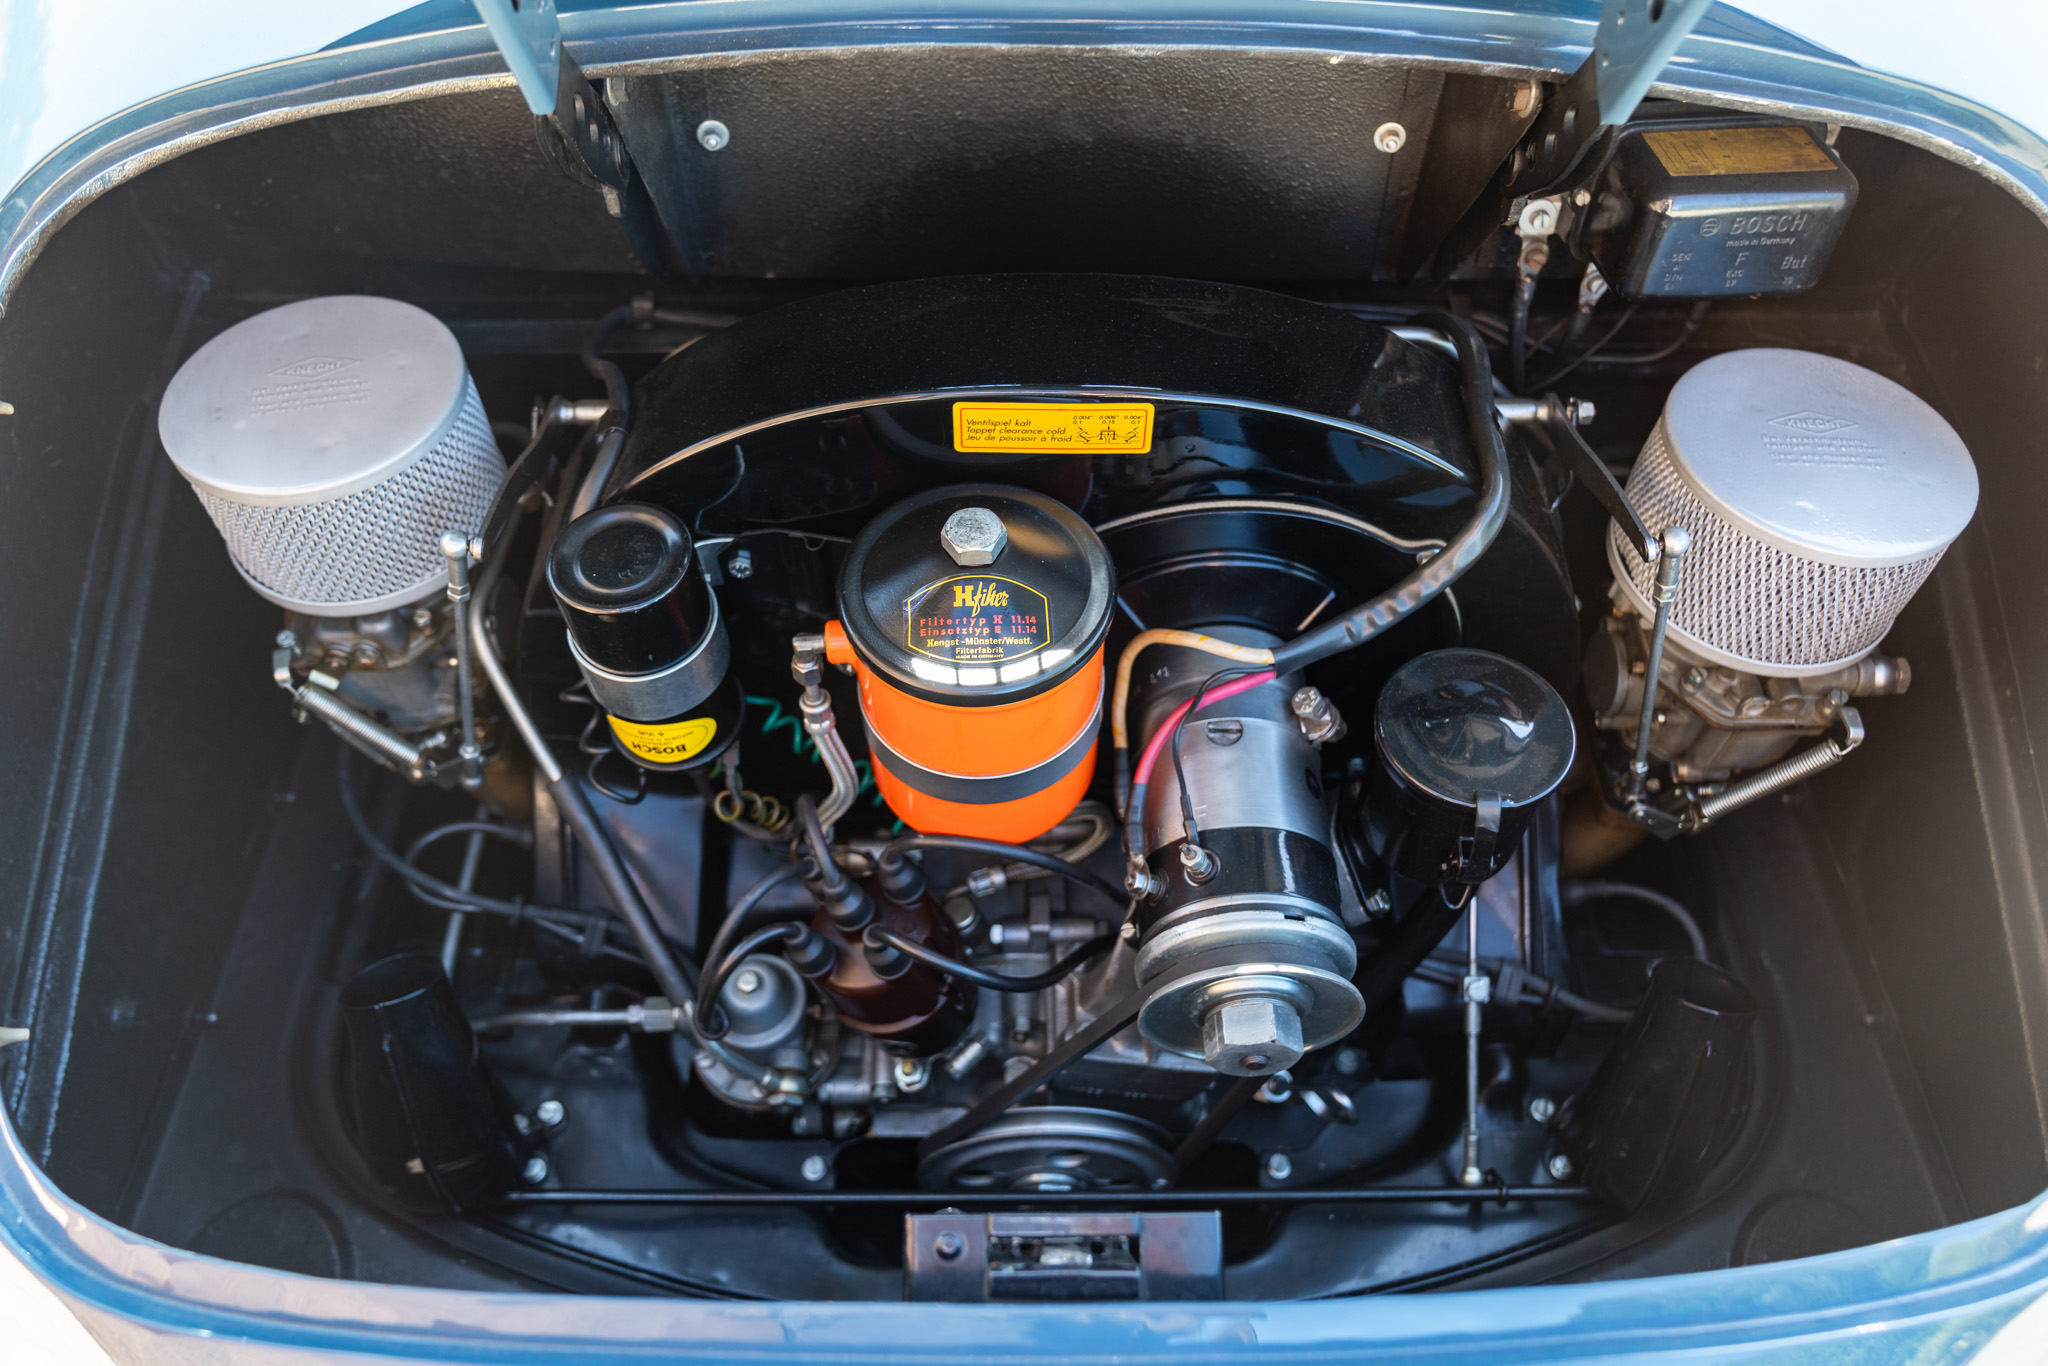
<point x="1063" y="1257"/>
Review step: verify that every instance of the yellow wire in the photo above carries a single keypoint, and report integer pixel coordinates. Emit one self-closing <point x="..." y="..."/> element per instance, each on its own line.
<point x="1193" y="640"/>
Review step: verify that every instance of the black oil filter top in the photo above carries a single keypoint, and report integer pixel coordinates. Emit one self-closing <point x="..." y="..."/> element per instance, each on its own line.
<point x="975" y="595"/>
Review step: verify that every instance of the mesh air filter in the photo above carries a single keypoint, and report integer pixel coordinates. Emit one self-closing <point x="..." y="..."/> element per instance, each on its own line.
<point x="332" y="441"/>
<point x="1819" y="496"/>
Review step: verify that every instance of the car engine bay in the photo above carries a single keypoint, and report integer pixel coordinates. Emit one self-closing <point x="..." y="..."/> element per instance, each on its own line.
<point x="1194" y="760"/>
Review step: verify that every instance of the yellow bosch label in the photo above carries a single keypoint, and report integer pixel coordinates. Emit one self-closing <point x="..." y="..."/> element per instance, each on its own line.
<point x="1737" y="151"/>
<point x="669" y="742"/>
<point x="1020" y="428"/>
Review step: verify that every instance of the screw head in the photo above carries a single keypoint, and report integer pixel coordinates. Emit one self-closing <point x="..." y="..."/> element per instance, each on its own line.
<point x="1279" y="1166"/>
<point x="422" y="617"/>
<point x="1390" y="137"/>
<point x="973" y="537"/>
<point x="535" y="1171"/>
<point x="813" y="1169"/>
<point x="713" y="136"/>
<point x="949" y="1245"/>
<point x="287" y="640"/>
<point x="1542" y="1109"/>
<point x="747" y="983"/>
<point x="550" y="1112"/>
<point x="741" y="565"/>
<point x="1559" y="1167"/>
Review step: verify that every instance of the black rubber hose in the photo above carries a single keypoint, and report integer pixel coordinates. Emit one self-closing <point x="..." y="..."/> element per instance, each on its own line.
<point x="711" y="1022"/>
<point x="994" y="981"/>
<point x="424" y="883"/>
<point x="742" y="912"/>
<point x="1014" y="853"/>
<point x="1578" y="893"/>
<point x="613" y="378"/>
<point x="512" y="834"/>
<point x="1444" y="568"/>
<point x="1518" y="334"/>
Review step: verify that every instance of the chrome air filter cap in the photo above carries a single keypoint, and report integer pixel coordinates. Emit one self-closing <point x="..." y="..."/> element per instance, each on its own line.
<point x="333" y="441"/>
<point x="1819" y="495"/>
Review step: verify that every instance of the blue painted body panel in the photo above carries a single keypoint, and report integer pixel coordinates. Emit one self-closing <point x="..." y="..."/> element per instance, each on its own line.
<point x="1939" y="1296"/>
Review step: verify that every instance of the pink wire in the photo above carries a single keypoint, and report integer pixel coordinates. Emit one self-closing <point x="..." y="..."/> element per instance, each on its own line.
<point x="1162" y="737"/>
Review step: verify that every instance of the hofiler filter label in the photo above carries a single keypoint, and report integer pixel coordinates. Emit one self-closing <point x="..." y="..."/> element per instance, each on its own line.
<point x="1018" y="428"/>
<point x="979" y="619"/>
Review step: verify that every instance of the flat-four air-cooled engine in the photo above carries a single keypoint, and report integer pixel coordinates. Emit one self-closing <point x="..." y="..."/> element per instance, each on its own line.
<point x="1052" y="735"/>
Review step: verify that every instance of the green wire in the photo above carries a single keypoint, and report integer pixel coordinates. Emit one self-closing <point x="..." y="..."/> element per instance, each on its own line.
<point x="801" y="744"/>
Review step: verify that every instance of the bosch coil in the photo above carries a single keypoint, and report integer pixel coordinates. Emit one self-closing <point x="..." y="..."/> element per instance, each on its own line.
<point x="645" y="632"/>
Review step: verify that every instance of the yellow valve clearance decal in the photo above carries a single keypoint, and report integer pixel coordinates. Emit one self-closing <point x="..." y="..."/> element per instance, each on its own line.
<point x="1021" y="428"/>
<point x="1737" y="151"/>
<point x="667" y="742"/>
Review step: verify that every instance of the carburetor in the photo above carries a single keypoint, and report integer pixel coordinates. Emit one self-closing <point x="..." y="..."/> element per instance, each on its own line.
<point x="335" y="442"/>
<point x="1818" y="497"/>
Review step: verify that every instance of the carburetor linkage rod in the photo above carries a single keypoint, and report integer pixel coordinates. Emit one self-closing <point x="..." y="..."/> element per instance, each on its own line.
<point x="1673" y="546"/>
<point x="458" y="548"/>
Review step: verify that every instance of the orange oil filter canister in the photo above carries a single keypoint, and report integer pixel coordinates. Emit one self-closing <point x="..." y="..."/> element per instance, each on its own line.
<point x="974" y="617"/>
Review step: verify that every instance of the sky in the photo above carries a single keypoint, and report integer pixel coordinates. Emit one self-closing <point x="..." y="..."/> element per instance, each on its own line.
<point x="1987" y="50"/>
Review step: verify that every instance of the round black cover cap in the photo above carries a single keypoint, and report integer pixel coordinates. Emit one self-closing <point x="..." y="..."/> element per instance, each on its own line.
<point x="1454" y="723"/>
<point x="629" y="586"/>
